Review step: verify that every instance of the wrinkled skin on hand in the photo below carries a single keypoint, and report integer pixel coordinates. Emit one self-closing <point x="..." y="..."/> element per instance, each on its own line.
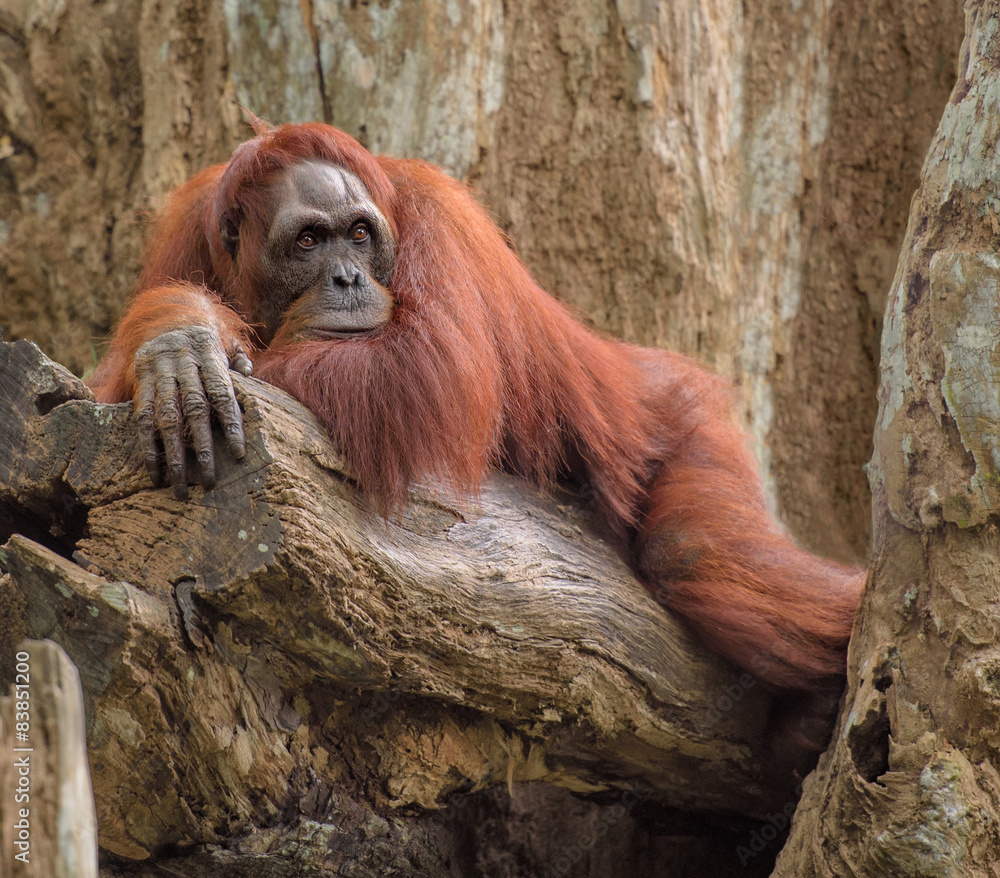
<point x="183" y="378"/>
<point x="322" y="250"/>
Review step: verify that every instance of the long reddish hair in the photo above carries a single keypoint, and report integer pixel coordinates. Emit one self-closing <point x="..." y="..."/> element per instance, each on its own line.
<point x="479" y="368"/>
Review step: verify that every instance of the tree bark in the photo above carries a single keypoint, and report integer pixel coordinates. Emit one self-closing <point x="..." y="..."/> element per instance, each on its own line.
<point x="913" y="767"/>
<point x="244" y="649"/>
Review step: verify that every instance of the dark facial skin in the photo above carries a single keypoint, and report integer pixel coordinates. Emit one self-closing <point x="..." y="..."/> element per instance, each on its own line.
<point x="324" y="269"/>
<point x="327" y="259"/>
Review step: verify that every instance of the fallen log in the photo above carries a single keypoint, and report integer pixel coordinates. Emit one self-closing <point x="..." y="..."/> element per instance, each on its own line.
<point x="244" y="648"/>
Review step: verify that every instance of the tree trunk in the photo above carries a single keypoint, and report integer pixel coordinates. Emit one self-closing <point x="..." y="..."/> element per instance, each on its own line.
<point x="913" y="766"/>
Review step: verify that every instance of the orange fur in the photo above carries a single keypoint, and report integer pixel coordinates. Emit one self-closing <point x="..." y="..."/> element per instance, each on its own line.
<point x="481" y="368"/>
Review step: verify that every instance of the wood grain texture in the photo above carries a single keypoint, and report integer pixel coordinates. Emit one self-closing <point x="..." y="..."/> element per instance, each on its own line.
<point x="48" y="827"/>
<point x="244" y="646"/>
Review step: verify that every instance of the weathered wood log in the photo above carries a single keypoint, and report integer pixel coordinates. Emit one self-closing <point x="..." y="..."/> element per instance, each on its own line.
<point x="48" y="827"/>
<point x="243" y="647"/>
